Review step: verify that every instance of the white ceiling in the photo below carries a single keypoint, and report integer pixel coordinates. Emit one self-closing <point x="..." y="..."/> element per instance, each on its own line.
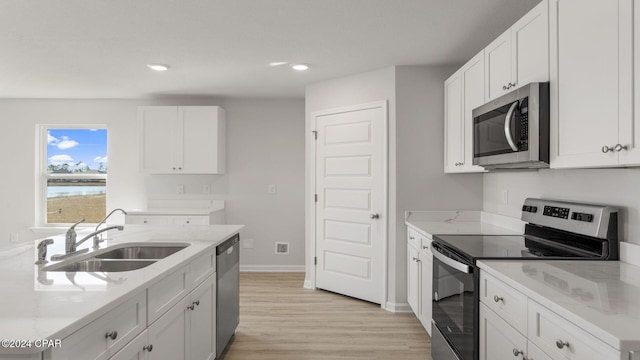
<point x="221" y="48"/>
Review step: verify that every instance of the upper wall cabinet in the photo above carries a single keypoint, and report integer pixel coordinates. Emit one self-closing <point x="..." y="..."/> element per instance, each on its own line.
<point x="520" y="55"/>
<point x="182" y="139"/>
<point x="592" y="83"/>
<point x="464" y="91"/>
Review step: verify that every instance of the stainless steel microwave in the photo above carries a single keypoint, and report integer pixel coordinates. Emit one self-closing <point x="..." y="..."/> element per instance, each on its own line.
<point x="512" y="131"/>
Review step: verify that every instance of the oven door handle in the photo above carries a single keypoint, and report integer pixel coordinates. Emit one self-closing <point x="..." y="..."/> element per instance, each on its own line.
<point x="507" y="129"/>
<point x="454" y="264"/>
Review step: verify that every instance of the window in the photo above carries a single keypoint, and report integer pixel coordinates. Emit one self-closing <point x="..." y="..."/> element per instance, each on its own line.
<point x="73" y="168"/>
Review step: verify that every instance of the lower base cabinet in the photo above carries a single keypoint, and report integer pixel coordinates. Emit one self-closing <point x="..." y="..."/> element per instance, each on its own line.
<point x="420" y="277"/>
<point x="186" y="331"/>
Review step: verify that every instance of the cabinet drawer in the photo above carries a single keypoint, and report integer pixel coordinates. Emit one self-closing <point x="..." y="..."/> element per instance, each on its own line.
<point x="561" y="339"/>
<point x="414" y="238"/>
<point x="167" y="292"/>
<point x="106" y="335"/>
<point x="146" y="219"/>
<point x="202" y="267"/>
<point x="508" y="303"/>
<point x="189" y="220"/>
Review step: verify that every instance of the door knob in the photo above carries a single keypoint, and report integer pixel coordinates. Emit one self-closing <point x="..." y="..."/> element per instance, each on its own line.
<point x="374" y="216"/>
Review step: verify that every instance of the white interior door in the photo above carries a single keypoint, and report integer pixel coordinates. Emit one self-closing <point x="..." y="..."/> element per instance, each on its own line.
<point x="351" y="206"/>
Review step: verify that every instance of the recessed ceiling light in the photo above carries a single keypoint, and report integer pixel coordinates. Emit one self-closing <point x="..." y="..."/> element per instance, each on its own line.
<point x="300" y="67"/>
<point x="278" y="63"/>
<point x="158" y="67"/>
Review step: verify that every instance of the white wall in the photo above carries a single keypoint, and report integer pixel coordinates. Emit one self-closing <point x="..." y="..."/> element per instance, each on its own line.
<point x="416" y="152"/>
<point x="264" y="146"/>
<point x="618" y="187"/>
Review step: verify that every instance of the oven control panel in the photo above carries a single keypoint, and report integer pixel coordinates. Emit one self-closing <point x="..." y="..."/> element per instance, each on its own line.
<point x="555" y="211"/>
<point x="586" y="219"/>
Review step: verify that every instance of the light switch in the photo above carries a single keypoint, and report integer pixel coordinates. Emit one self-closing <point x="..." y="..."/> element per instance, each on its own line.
<point x="272" y="189"/>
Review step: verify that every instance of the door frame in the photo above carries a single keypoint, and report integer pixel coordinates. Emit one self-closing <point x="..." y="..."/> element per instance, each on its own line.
<point x="311" y="280"/>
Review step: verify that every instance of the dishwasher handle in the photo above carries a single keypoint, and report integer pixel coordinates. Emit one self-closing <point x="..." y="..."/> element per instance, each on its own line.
<point x="227" y="244"/>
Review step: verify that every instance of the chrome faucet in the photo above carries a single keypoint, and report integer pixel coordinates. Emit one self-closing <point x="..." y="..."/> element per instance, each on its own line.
<point x="70" y="238"/>
<point x="96" y="239"/>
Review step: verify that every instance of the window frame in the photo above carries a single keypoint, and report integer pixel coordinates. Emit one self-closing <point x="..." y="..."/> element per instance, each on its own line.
<point x="42" y="174"/>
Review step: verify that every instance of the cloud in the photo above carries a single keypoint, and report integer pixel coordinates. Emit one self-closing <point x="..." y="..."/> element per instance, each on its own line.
<point x="61" y="159"/>
<point x="52" y="140"/>
<point x="66" y="143"/>
<point x="100" y="159"/>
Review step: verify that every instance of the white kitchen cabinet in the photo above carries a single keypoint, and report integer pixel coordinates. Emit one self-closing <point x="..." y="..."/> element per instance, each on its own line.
<point x="182" y="139"/>
<point x="168" y="335"/>
<point x="426" y="285"/>
<point x="498" y="340"/>
<point x="511" y="322"/>
<point x="464" y="91"/>
<point x="419" y="277"/>
<point x="520" y="55"/>
<point x="202" y="325"/>
<point x="413" y="278"/>
<point x="592" y="120"/>
<point x="106" y="335"/>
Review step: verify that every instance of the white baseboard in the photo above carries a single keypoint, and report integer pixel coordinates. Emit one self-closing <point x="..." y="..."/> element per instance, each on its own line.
<point x="271" y="268"/>
<point x="308" y="285"/>
<point x="630" y="253"/>
<point x="398" y="308"/>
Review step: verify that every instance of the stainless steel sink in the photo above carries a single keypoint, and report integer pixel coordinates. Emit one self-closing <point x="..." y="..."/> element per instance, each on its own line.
<point x="96" y="265"/>
<point x="141" y="252"/>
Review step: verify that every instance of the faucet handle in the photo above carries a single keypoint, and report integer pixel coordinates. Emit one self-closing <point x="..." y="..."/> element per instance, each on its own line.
<point x="96" y="242"/>
<point x="42" y="251"/>
<point x="74" y="225"/>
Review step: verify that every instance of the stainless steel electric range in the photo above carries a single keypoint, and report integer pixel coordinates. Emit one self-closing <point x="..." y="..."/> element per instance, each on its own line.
<point x="554" y="230"/>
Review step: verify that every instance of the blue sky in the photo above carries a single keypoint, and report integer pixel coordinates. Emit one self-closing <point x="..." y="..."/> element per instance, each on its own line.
<point x="73" y="146"/>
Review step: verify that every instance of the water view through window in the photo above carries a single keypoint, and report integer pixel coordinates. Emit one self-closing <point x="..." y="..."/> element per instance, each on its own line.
<point x="76" y="175"/>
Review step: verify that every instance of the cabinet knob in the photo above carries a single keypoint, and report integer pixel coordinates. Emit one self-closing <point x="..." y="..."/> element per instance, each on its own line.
<point x="111" y="335"/>
<point x="504" y="87"/>
<point x="174" y="168"/>
<point x="497" y="298"/>
<point x="411" y="238"/>
<point x="179" y="168"/>
<point x="191" y="307"/>
<point x="425" y="247"/>
<point x="374" y="216"/>
<point x="148" y="348"/>
<point x="606" y="149"/>
<point x="561" y="344"/>
<point x="188" y="221"/>
<point x="196" y="303"/>
<point x="517" y="352"/>
<point x="620" y="147"/>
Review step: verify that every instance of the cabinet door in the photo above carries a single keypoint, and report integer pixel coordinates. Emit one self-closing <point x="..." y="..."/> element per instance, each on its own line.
<point x="453" y="128"/>
<point x="413" y="285"/>
<point x="498" y="340"/>
<point x="426" y="286"/>
<point x="530" y="46"/>
<point x="168" y="334"/>
<point x="473" y="96"/>
<point x="137" y="349"/>
<point x="630" y="133"/>
<point x="586" y="76"/>
<point x="497" y="62"/>
<point x="202" y="340"/>
<point x="202" y="132"/>
<point x="159" y="140"/>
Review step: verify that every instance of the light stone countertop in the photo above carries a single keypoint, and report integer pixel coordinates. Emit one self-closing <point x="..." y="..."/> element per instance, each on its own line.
<point x="430" y="223"/>
<point x="601" y="297"/>
<point x="52" y="305"/>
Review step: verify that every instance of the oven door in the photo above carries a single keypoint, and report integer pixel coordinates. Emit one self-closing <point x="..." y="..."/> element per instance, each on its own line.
<point x="455" y="301"/>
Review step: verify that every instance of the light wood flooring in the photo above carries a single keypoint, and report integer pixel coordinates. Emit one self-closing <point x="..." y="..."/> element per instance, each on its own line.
<point x="279" y="319"/>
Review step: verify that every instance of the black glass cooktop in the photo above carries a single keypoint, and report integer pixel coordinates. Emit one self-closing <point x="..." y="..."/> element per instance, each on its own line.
<point x="477" y="247"/>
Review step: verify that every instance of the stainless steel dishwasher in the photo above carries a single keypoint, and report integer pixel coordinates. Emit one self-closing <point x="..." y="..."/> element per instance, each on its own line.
<point x="228" y="292"/>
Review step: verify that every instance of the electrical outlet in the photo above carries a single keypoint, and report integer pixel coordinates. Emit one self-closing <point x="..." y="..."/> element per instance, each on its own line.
<point x="282" y="248"/>
<point x="13" y="237"/>
<point x="206" y="189"/>
<point x="272" y="189"/>
<point x="247" y="244"/>
<point x="180" y="188"/>
<point x="505" y="196"/>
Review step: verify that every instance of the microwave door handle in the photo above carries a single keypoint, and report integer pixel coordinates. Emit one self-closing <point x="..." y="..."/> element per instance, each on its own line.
<point x="454" y="264"/>
<point x="507" y="130"/>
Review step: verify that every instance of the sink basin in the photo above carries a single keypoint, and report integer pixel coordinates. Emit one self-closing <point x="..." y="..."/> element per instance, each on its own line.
<point x="95" y="265"/>
<point x="141" y="252"/>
